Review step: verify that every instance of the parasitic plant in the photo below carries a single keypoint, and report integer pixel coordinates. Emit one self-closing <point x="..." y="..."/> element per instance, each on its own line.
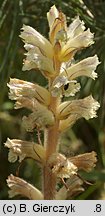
<point x="51" y="112"/>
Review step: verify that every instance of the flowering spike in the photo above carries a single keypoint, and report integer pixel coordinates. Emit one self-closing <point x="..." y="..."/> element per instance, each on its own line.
<point x="49" y="111"/>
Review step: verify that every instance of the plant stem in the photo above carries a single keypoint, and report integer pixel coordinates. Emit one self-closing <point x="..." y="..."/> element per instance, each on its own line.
<point x="51" y="136"/>
<point x="50" y="143"/>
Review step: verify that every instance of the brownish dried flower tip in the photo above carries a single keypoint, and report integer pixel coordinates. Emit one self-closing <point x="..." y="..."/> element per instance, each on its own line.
<point x="20" y="187"/>
<point x="85" y="161"/>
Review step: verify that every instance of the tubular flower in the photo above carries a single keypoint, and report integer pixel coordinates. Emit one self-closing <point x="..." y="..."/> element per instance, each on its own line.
<point x="19" y="88"/>
<point x="20" y="187"/>
<point x="85" y="108"/>
<point x="85" y="67"/>
<point x="24" y="149"/>
<point x="32" y="37"/>
<point x="36" y="60"/>
<point x="34" y="98"/>
<point x="40" y="52"/>
<point x="85" y="161"/>
<point x="73" y="45"/>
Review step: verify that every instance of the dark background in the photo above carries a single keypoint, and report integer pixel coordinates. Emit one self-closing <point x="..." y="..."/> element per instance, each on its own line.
<point x="85" y="136"/>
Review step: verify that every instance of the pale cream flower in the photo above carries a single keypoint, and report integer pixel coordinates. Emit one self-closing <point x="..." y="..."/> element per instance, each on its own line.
<point x="81" y="41"/>
<point x="19" y="88"/>
<point x="19" y="149"/>
<point x="85" y="108"/>
<point x="70" y="39"/>
<point x="32" y="37"/>
<point x="61" y="166"/>
<point x="61" y="86"/>
<point x="77" y="27"/>
<point x="36" y="60"/>
<point x="85" y="67"/>
<point x="74" y="184"/>
<point x="20" y="187"/>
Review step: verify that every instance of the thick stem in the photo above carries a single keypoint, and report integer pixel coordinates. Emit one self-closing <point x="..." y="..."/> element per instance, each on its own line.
<point x="51" y="138"/>
<point x="50" y="143"/>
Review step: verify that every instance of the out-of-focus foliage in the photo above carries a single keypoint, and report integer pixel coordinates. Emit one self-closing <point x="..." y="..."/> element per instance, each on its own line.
<point x="84" y="136"/>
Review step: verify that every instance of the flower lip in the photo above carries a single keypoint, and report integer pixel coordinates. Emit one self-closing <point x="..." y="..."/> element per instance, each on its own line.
<point x="61" y="86"/>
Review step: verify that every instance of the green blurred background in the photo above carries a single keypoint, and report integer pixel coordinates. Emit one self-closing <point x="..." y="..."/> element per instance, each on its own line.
<point x="85" y="136"/>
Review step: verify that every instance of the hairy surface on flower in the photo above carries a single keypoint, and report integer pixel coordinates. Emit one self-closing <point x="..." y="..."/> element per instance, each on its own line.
<point x="19" y="88"/>
<point x="85" y="161"/>
<point x="61" y="86"/>
<point x="85" y="67"/>
<point x="23" y="149"/>
<point x="61" y="166"/>
<point x="74" y="184"/>
<point x="85" y="108"/>
<point x="32" y="37"/>
<point x="20" y="187"/>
